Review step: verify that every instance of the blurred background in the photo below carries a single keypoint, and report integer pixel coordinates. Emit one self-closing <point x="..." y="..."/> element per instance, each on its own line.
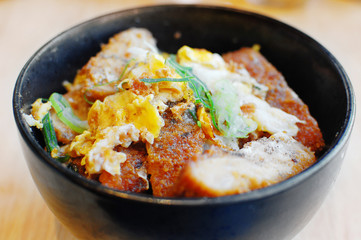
<point x="25" y="25"/>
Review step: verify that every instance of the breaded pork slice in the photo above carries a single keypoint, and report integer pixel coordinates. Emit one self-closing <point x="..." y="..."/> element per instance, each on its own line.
<point x="259" y="164"/>
<point x="106" y="66"/>
<point x="177" y="143"/>
<point x="133" y="175"/>
<point x="279" y="95"/>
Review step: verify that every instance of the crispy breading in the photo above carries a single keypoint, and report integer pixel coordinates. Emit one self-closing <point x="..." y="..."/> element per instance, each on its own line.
<point x="177" y="143"/>
<point x="202" y="129"/>
<point x="105" y="67"/>
<point x="258" y="164"/>
<point x="279" y="95"/>
<point x="133" y="175"/>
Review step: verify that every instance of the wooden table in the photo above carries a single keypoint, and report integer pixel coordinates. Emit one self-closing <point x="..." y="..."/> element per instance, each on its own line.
<point x="26" y="25"/>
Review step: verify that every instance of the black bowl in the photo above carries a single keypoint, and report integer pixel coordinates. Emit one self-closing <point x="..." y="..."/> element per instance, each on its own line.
<point x="90" y="210"/>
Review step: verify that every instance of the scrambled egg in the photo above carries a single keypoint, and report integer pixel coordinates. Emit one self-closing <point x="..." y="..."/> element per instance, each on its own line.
<point x="98" y="150"/>
<point x="131" y="111"/>
<point x="134" y="112"/>
<point x="187" y="55"/>
<point x="38" y="111"/>
<point x="208" y="105"/>
<point x="124" y="108"/>
<point x="137" y="113"/>
<point x="215" y="73"/>
<point x="151" y="65"/>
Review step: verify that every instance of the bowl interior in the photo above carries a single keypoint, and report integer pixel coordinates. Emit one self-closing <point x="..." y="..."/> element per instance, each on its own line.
<point x="308" y="67"/>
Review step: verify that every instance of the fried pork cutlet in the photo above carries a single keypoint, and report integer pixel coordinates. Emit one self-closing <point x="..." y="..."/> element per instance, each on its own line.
<point x="263" y="161"/>
<point x="279" y="94"/>
<point x="195" y="124"/>
<point x="258" y="164"/>
<point x="178" y="142"/>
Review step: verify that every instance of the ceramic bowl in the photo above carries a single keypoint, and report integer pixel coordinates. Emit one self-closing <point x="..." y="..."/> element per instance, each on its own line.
<point x="92" y="211"/>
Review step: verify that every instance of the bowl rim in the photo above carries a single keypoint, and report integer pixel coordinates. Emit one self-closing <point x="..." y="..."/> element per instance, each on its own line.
<point x="96" y="188"/>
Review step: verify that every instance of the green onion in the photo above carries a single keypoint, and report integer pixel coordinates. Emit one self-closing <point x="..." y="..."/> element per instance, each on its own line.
<point x="122" y="84"/>
<point x="51" y="142"/>
<point x="155" y="80"/>
<point x="107" y="83"/>
<point x="125" y="69"/>
<point x="201" y="92"/>
<point x="229" y="116"/>
<point x="86" y="99"/>
<point x="63" y="159"/>
<point x="66" y="114"/>
<point x="193" y="113"/>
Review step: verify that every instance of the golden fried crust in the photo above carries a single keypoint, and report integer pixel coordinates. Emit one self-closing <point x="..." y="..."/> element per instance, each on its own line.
<point x="279" y="94"/>
<point x="133" y="175"/>
<point x="259" y="164"/>
<point x="106" y="66"/>
<point x="178" y="142"/>
<point x="174" y="164"/>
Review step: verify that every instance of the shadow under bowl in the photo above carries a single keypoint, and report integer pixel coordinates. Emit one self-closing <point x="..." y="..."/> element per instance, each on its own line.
<point x="92" y="211"/>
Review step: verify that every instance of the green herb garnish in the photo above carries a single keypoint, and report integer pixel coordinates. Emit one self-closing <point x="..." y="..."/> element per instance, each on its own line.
<point x="229" y="116"/>
<point x="66" y="114"/>
<point x="193" y="113"/>
<point x="51" y="142"/>
<point x="107" y="83"/>
<point x="155" y="80"/>
<point x="201" y="93"/>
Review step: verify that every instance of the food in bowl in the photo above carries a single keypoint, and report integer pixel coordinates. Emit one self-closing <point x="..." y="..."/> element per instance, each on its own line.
<point x="192" y="124"/>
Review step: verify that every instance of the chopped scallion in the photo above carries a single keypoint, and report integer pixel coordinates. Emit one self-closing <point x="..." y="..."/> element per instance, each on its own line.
<point x="155" y="80"/>
<point x="66" y="114"/>
<point x="230" y="120"/>
<point x="125" y="69"/>
<point x="193" y="114"/>
<point x="51" y="142"/>
<point x="107" y="83"/>
<point x="201" y="92"/>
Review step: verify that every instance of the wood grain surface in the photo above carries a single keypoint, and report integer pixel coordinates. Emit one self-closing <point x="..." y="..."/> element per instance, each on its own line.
<point x="25" y="25"/>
